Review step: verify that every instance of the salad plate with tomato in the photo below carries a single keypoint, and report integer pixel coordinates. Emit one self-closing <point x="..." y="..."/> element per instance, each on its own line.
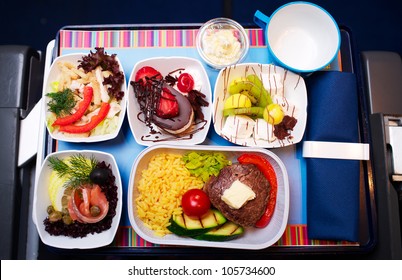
<point x="206" y="219"/>
<point x="84" y="97"/>
<point x="169" y="101"/>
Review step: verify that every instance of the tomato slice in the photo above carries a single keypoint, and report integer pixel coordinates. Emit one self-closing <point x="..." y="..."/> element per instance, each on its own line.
<point x="195" y="203"/>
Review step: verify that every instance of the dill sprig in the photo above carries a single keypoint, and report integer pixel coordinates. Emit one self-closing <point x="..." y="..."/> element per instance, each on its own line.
<point x="62" y="102"/>
<point x="76" y="169"/>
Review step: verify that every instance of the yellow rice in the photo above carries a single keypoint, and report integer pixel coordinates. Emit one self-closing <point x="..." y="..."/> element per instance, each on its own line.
<point x="160" y="188"/>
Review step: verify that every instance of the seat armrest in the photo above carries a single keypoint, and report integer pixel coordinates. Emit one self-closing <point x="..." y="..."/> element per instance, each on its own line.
<point x="21" y="78"/>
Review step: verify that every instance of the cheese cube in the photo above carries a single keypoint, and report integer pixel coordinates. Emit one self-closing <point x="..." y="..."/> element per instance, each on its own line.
<point x="237" y="195"/>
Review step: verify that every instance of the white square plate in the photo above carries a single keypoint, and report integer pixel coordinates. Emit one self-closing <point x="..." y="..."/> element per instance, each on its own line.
<point x="42" y="201"/>
<point x="287" y="89"/>
<point x="166" y="65"/>
<point x="53" y="76"/>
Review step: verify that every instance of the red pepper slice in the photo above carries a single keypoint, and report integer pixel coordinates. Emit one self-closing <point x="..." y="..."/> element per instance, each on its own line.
<point x="266" y="168"/>
<point x="95" y="120"/>
<point x="82" y="107"/>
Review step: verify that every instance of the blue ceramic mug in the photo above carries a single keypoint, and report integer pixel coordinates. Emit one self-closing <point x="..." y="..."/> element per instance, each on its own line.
<point x="301" y="36"/>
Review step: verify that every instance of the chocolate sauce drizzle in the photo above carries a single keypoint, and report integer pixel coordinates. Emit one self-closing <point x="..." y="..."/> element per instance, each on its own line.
<point x="148" y="97"/>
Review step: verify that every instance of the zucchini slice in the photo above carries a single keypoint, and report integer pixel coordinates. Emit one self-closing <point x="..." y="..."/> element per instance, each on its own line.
<point x="183" y="225"/>
<point x="225" y="232"/>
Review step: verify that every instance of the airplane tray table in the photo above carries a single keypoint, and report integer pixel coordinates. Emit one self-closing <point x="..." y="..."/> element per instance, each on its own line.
<point x="137" y="42"/>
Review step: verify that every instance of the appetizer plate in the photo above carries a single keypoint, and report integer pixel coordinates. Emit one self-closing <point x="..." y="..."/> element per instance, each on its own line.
<point x="53" y="76"/>
<point x="166" y="65"/>
<point x="287" y="89"/>
<point x="253" y="238"/>
<point x="42" y="201"/>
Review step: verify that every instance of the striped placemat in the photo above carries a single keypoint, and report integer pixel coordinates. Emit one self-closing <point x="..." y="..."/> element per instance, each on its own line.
<point x="294" y="235"/>
<point x="140" y="38"/>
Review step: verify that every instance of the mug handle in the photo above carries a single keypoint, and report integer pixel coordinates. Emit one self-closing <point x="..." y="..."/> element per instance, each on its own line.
<point x="261" y="19"/>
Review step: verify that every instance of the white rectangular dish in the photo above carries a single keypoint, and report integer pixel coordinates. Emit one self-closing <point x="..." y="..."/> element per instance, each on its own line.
<point x="198" y="131"/>
<point x="108" y="129"/>
<point x="41" y="201"/>
<point x="253" y="238"/>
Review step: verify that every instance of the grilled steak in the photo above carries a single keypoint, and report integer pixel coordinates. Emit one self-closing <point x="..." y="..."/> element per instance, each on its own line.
<point x="249" y="175"/>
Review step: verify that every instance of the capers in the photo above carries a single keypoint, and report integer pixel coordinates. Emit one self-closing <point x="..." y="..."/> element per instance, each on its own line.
<point x="50" y="209"/>
<point x="95" y="211"/>
<point x="64" y="201"/>
<point x="68" y="191"/>
<point x="67" y="219"/>
<point x="55" y="216"/>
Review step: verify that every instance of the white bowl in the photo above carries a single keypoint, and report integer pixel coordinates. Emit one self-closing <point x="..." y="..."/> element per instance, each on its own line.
<point x="42" y="201"/>
<point x="165" y="65"/>
<point x="222" y="42"/>
<point x="253" y="238"/>
<point x="53" y="75"/>
<point x="293" y="90"/>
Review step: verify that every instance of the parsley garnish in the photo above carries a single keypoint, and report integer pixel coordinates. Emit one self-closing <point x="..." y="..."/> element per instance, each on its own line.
<point x="77" y="169"/>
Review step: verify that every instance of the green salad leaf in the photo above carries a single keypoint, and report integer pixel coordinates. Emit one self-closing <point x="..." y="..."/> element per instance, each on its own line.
<point x="205" y="164"/>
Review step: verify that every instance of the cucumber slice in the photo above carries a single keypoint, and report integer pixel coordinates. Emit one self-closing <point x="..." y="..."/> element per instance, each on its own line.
<point x="226" y="232"/>
<point x="183" y="225"/>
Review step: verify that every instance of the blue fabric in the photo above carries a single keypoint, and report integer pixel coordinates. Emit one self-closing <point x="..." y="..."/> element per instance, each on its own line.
<point x="332" y="184"/>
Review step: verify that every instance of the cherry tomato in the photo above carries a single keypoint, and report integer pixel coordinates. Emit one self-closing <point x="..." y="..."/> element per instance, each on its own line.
<point x="185" y="82"/>
<point x="195" y="203"/>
